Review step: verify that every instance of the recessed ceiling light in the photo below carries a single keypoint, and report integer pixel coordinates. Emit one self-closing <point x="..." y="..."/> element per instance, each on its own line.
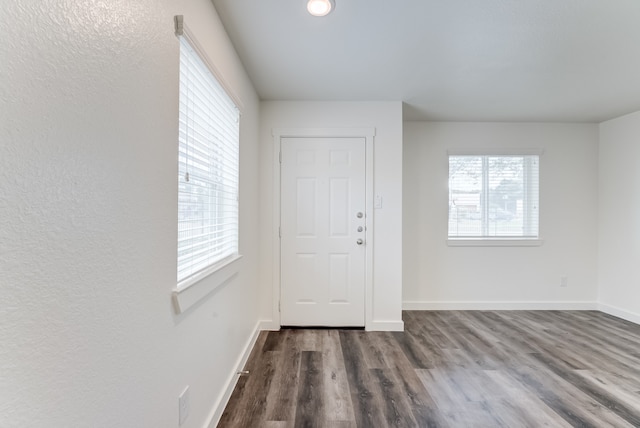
<point x="320" y="7"/>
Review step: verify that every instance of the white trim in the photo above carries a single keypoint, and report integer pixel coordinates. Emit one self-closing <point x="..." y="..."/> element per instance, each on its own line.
<point x="221" y="403"/>
<point x="195" y="288"/>
<point x="369" y="229"/>
<point x="269" y="325"/>
<point x="620" y="313"/>
<point x="368" y="134"/>
<point x="322" y="132"/>
<point x="570" y="305"/>
<point x="477" y="151"/>
<point x="494" y="242"/>
<point x="385" y="326"/>
<point x="193" y="279"/>
<point x="182" y="30"/>
<point x="275" y="230"/>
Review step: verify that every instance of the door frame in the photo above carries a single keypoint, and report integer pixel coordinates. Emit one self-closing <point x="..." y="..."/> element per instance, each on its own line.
<point x="368" y="135"/>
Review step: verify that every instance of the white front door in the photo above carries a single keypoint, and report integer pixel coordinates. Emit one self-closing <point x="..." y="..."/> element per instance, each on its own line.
<point x="322" y="231"/>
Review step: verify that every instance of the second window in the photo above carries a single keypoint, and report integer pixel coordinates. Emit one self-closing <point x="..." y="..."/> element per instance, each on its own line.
<point x="493" y="196"/>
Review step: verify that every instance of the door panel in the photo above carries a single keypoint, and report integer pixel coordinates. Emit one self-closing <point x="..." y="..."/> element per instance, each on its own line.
<point x="306" y="206"/>
<point x="339" y="195"/>
<point x="323" y="266"/>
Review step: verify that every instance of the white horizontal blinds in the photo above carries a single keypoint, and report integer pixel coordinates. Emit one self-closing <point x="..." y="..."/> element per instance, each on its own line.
<point x="531" y="194"/>
<point x="208" y="165"/>
<point x="493" y="196"/>
<point x="465" y="195"/>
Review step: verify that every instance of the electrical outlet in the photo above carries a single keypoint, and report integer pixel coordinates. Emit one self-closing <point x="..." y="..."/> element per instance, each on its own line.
<point x="183" y="406"/>
<point x="564" y="281"/>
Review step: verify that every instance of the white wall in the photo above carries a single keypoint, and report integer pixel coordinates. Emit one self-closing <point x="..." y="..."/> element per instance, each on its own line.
<point x="386" y="118"/>
<point x="88" y="191"/>
<point x="438" y="277"/>
<point x="619" y="217"/>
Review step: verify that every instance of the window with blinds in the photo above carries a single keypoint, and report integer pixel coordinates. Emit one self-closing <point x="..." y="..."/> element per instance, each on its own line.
<point x="208" y="165"/>
<point x="493" y="196"/>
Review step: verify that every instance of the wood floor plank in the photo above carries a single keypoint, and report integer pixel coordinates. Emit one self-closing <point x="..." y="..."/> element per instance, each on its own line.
<point x="393" y="402"/>
<point x="447" y="369"/>
<point x="412" y="350"/>
<point x="568" y="402"/>
<point x="309" y="340"/>
<point x="253" y="396"/>
<point x="256" y="353"/>
<point x="278" y="424"/>
<point x="465" y="350"/>
<point x="273" y="342"/>
<point x="366" y="407"/>
<point x="526" y="405"/>
<point x="548" y="343"/>
<point x="424" y="410"/>
<point x="603" y="396"/>
<point x="501" y="323"/>
<point x="612" y="351"/>
<point x="371" y="353"/>
<point x="310" y="404"/>
<point x="419" y="323"/>
<point x="430" y="350"/>
<point x="338" y="406"/>
<point x="619" y="380"/>
<point x="282" y="403"/>
<point x="422" y="406"/>
<point x="616" y="391"/>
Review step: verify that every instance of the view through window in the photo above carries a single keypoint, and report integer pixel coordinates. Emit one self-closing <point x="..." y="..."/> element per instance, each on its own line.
<point x="493" y="196"/>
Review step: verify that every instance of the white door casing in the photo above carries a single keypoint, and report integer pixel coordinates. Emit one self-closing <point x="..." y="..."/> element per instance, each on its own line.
<point x="322" y="276"/>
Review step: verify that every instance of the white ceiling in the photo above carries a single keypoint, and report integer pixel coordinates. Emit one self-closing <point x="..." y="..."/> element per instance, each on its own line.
<point x="457" y="60"/>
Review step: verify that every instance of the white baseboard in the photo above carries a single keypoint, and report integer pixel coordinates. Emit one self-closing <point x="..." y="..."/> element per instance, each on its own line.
<point x="620" y="313"/>
<point x="385" y="326"/>
<point x="269" y="325"/>
<point x="498" y="305"/>
<point x="218" y="408"/>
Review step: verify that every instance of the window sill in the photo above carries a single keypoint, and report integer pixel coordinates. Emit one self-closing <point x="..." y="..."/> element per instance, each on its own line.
<point x="192" y="290"/>
<point x="495" y="242"/>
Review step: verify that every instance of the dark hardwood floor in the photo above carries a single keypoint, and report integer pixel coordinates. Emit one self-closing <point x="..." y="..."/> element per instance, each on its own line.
<point x="448" y="369"/>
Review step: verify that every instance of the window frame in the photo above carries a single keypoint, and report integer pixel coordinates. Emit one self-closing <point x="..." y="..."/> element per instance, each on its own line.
<point x="500" y="241"/>
<point x="222" y="270"/>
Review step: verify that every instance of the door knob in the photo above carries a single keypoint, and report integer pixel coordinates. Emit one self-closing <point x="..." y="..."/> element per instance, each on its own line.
<point x="360" y="229"/>
<point x="359" y="215"/>
<point x="359" y="242"/>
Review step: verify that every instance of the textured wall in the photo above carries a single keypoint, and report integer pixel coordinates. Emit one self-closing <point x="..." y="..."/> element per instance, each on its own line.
<point x="88" y="109"/>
